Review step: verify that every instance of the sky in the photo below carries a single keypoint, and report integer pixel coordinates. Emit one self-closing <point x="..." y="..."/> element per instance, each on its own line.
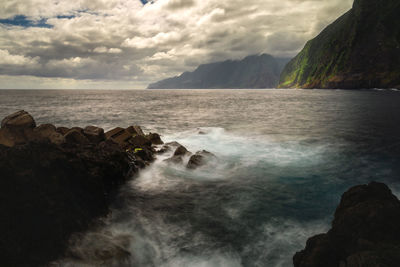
<point x="127" y="44"/>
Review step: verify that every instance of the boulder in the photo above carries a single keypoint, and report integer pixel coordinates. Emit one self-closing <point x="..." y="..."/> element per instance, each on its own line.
<point x="18" y="120"/>
<point x="180" y="151"/>
<point x="154" y="138"/>
<point x="200" y="159"/>
<point x="17" y="128"/>
<point x="139" y="141"/>
<point x="114" y="132"/>
<point x="135" y="130"/>
<point x="47" y="132"/>
<point x="74" y="136"/>
<point x="62" y="130"/>
<point x="94" y="134"/>
<point x="365" y="232"/>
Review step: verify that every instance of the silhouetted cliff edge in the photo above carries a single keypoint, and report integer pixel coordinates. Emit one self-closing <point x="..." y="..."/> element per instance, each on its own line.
<point x="365" y="232"/>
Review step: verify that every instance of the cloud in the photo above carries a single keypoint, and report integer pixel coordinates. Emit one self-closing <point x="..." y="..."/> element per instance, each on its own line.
<point x="126" y="41"/>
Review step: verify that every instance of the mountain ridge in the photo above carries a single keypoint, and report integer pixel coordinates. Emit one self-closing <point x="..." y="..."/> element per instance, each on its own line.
<point x="255" y="71"/>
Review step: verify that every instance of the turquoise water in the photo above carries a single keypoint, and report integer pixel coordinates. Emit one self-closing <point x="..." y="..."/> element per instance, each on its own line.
<point x="284" y="159"/>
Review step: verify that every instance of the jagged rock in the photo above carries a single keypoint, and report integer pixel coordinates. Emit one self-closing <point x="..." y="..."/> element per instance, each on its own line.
<point x="94" y="134"/>
<point x="54" y="183"/>
<point x="74" y="136"/>
<point x="155" y="138"/>
<point x="135" y="130"/>
<point x="47" y="132"/>
<point x="18" y="120"/>
<point x="180" y="151"/>
<point x="49" y="192"/>
<point x="365" y="232"/>
<point x="114" y="132"/>
<point x="62" y="130"/>
<point x="199" y="159"/>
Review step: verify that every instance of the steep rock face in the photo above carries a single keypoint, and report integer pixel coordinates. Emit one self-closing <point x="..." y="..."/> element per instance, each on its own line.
<point x="361" y="49"/>
<point x="260" y="71"/>
<point x="365" y="232"/>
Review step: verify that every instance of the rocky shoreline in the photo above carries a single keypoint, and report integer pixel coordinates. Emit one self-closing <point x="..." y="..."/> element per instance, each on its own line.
<point x="57" y="181"/>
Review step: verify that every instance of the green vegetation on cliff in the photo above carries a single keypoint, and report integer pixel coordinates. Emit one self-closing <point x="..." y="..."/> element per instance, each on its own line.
<point x="361" y="49"/>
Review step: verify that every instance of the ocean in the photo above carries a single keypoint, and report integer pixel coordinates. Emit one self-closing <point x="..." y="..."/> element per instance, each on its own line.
<point x="284" y="158"/>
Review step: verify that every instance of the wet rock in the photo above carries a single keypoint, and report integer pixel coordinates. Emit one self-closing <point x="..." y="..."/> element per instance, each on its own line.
<point x="74" y="136"/>
<point x="175" y="160"/>
<point x="180" y="151"/>
<point x="199" y="159"/>
<point x="173" y="144"/>
<point x="155" y="138"/>
<point x="94" y="134"/>
<point x="365" y="232"/>
<point x="18" y="120"/>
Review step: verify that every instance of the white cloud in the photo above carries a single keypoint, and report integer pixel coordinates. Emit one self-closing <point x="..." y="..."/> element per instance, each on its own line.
<point x="122" y="40"/>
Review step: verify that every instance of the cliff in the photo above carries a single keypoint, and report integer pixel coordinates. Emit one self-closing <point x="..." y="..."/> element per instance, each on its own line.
<point x="365" y="232"/>
<point x="361" y="49"/>
<point x="261" y="71"/>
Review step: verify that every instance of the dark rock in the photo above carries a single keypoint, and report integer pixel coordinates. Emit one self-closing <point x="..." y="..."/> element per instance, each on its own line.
<point x="139" y="141"/>
<point x="18" y="120"/>
<point x="365" y="232"/>
<point x="47" y="132"/>
<point x="144" y="153"/>
<point x="200" y="159"/>
<point x="135" y="130"/>
<point x="62" y="130"/>
<point x="53" y="186"/>
<point x="79" y="129"/>
<point x="114" y="132"/>
<point x="74" y="136"/>
<point x="94" y="134"/>
<point x="180" y="151"/>
<point x="155" y="138"/>
<point x="16" y="129"/>
<point x="48" y="193"/>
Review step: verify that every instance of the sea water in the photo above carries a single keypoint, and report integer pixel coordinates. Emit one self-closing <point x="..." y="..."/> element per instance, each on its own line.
<point x="284" y="159"/>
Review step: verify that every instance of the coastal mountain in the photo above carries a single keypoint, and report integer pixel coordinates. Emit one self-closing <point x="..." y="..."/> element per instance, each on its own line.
<point x="361" y="49"/>
<point x="257" y="71"/>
